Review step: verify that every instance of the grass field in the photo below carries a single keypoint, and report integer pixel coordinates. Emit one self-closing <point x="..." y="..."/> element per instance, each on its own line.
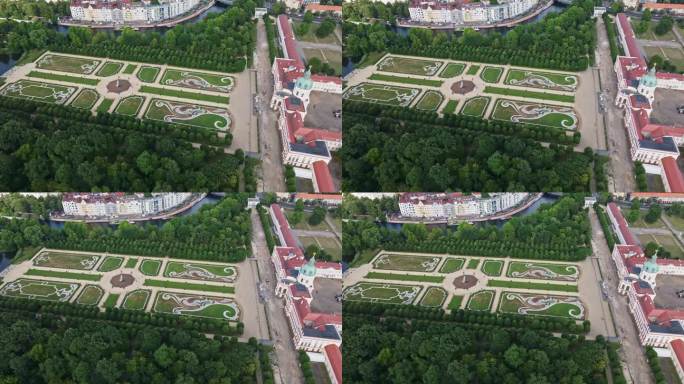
<point x="370" y="58"/>
<point x="39" y="289"/>
<point x="65" y="260"/>
<point x="203" y="272"/>
<point x="530" y="94"/>
<point x="475" y="106"/>
<point x="676" y="221"/>
<point x="188" y="286"/>
<point x="535" y="113"/>
<point x="472" y="70"/>
<point x="148" y="74"/>
<point x="452" y="70"/>
<point x="110" y="263"/>
<point x="130" y="106"/>
<point x="328" y="244"/>
<point x="430" y="101"/>
<point x="150" y="267"/>
<point x="198" y="80"/>
<point x="111" y="300"/>
<point x="543" y="271"/>
<point x="38" y="91"/>
<point x="541" y="305"/>
<point x="130" y="68"/>
<point x="109" y="68"/>
<point x="131" y="262"/>
<point x="67" y="64"/>
<point x="185" y="95"/>
<point x="452" y="265"/>
<point x="434" y="297"/>
<point x="333" y="58"/>
<point x="491" y="74"/>
<point x="136" y="300"/>
<point x="542" y="80"/>
<point x="382" y="293"/>
<point x="492" y="267"/>
<point x="480" y="301"/>
<point x="382" y="94"/>
<point x="105" y="105"/>
<point x="473" y="264"/>
<point x="196" y="115"/>
<point x="64" y="78"/>
<point x="85" y="99"/>
<point x="409" y="66"/>
<point x="310" y="35"/>
<point x="90" y="295"/>
<point x="197" y="305"/>
<point x="641" y="223"/>
<point x="666" y="241"/>
<point x="450" y="107"/>
<point x="414" y="263"/>
<point x="406" y="80"/>
<point x="397" y="276"/>
<point x="455" y="302"/>
<point x="650" y="32"/>
<point x="530" y="285"/>
<point x="63" y="275"/>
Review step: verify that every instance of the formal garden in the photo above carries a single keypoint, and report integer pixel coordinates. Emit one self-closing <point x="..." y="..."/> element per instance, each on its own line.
<point x="382" y="94"/>
<point x="382" y="293"/>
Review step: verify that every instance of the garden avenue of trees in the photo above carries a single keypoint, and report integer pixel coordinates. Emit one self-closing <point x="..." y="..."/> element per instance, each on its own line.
<point x="219" y="232"/>
<point x="563" y="41"/>
<point x="558" y="231"/>
<point x="56" y="148"/>
<point x="401" y="149"/>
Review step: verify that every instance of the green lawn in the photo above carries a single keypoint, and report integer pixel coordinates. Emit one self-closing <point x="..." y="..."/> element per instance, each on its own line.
<point x="666" y="241"/>
<point x="531" y="270"/>
<point x="39" y="289"/>
<point x="65" y="78"/>
<point x="66" y="260"/>
<point x="328" y="244"/>
<point x="452" y="265"/>
<point x="148" y="74"/>
<point x="221" y="308"/>
<point x="136" y="300"/>
<point x="382" y="94"/>
<point x="548" y="115"/>
<point x="491" y="74"/>
<point x="310" y="35"/>
<point x="409" y="66"/>
<point x="676" y="222"/>
<point x="184" y="95"/>
<point x="71" y="64"/>
<point x="90" y="295"/>
<point x="480" y="301"/>
<point x="530" y="94"/>
<point x="529" y="285"/>
<point x="452" y="70"/>
<point x="198" y="80"/>
<point x="85" y="99"/>
<point x="388" y="293"/>
<point x="519" y="303"/>
<point x="472" y="70"/>
<point x="455" y="303"/>
<point x="450" y="107"/>
<point x="475" y="106"/>
<point x="109" y="68"/>
<point x="413" y="263"/>
<point x="110" y="263"/>
<point x="105" y="105"/>
<point x="38" y="91"/>
<point x="370" y="59"/>
<point x="188" y="286"/>
<point x="543" y="80"/>
<point x="131" y="262"/>
<point x="130" y="106"/>
<point x="63" y="275"/>
<point x="434" y="297"/>
<point x="430" y="101"/>
<point x="195" y="115"/>
<point x="406" y="80"/>
<point x="111" y="300"/>
<point x="130" y="68"/>
<point x="198" y="271"/>
<point x="473" y="263"/>
<point x="150" y="267"/>
<point x="396" y="276"/>
<point x="492" y="267"/>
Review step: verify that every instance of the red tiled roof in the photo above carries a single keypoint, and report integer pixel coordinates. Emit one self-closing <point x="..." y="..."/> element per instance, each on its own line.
<point x="659" y="6"/>
<point x="334" y="356"/>
<point x="284" y="226"/>
<point x="299" y="292"/>
<point x="678" y="348"/>
<point x="669" y="75"/>
<point x="323" y="178"/>
<point x="291" y="105"/>
<point x="290" y="42"/>
<point x="326" y="79"/>
<point x="313" y="134"/>
<point x="632" y="67"/>
<point x="313" y="196"/>
<point x="323" y="8"/>
<point x="632" y="46"/>
<point x="622" y="224"/>
<point x="641" y="290"/>
<point x="630" y="252"/>
<point x="647" y="305"/>
<point x="328" y="264"/>
<point x="673" y="175"/>
<point x="658" y="131"/>
<point x="294" y="123"/>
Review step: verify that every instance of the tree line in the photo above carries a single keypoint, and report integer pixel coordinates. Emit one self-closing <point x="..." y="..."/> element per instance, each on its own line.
<point x="564" y="41"/>
<point x="52" y="148"/>
<point x="29" y="9"/>
<point x="405" y="150"/>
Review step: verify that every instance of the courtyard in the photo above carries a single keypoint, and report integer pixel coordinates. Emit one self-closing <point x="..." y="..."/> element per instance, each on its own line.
<point x="186" y="97"/>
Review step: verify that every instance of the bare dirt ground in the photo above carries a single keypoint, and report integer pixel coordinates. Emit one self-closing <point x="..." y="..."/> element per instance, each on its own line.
<point x="320" y="113"/>
<point x="667" y="287"/>
<point x="665" y="107"/>
<point x="324" y="294"/>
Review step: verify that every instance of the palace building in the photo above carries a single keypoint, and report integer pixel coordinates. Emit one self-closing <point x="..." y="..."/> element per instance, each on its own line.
<point x="655" y="145"/>
<point x="307" y="149"/>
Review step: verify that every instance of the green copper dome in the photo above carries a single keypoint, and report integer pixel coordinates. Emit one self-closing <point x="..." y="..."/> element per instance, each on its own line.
<point x="649" y="79"/>
<point x="309" y="269"/>
<point x="305" y="82"/>
<point x="651" y="266"/>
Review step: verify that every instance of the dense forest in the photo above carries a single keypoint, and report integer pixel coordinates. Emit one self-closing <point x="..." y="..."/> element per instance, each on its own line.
<point x="374" y="209"/>
<point x="27" y="9"/>
<point x="558" y="231"/>
<point x="52" y="349"/>
<point x="559" y="41"/>
<point x="220" y="232"/>
<point x="401" y="351"/>
<point x="367" y="10"/>
<point x="222" y="42"/>
<point x="18" y="205"/>
<point x="53" y="148"/>
<point x="397" y="149"/>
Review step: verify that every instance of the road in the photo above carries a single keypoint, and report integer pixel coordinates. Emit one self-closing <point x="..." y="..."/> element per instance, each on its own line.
<point x="632" y="353"/>
<point x="269" y="136"/>
<point x="286" y="363"/>
<point x="621" y="168"/>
